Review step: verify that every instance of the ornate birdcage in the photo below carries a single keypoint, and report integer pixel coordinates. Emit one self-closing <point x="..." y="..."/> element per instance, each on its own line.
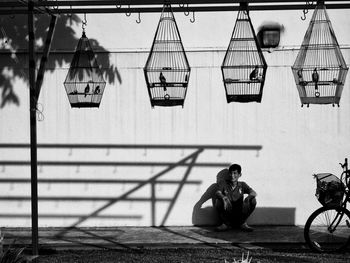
<point x="167" y="71"/>
<point x="244" y="66"/>
<point x="320" y="69"/>
<point x="84" y="82"/>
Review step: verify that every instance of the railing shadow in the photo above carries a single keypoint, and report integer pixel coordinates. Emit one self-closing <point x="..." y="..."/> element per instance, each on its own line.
<point x="188" y="162"/>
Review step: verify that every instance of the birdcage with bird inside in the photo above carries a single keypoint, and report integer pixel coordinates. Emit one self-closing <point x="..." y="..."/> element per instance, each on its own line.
<point x="84" y="83"/>
<point x="244" y="66"/>
<point x="320" y="69"/>
<point x="167" y="71"/>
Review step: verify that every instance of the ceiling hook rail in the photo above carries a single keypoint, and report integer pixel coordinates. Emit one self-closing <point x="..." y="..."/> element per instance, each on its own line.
<point x="138" y="20"/>
<point x="128" y="13"/>
<point x="193" y="19"/>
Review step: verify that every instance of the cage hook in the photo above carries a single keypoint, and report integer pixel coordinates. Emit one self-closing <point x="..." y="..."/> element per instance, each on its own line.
<point x="138" y="20"/>
<point x="187" y="11"/>
<point x="55" y="7"/>
<point x="71" y="12"/>
<point x="12" y="16"/>
<point x="117" y="5"/>
<point x="306" y="9"/>
<point x="84" y="22"/>
<point x="193" y="19"/>
<point x="128" y="13"/>
<point x="181" y="5"/>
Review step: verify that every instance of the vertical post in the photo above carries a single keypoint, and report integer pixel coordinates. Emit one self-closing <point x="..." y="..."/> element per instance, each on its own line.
<point x="153" y="203"/>
<point x="33" y="139"/>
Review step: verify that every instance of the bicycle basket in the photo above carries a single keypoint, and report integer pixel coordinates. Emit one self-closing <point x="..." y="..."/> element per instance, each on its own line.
<point x="330" y="190"/>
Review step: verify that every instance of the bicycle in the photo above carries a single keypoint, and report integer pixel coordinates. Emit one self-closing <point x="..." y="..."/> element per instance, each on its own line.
<point x="328" y="228"/>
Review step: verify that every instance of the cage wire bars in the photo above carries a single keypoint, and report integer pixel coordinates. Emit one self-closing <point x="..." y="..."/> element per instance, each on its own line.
<point x="167" y="70"/>
<point x="320" y="69"/>
<point x="84" y="83"/>
<point x="244" y="66"/>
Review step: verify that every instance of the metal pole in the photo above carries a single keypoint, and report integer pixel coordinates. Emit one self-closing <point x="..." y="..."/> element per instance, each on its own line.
<point x="33" y="140"/>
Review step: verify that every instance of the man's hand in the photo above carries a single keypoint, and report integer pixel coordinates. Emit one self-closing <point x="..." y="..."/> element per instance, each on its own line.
<point x="227" y="203"/>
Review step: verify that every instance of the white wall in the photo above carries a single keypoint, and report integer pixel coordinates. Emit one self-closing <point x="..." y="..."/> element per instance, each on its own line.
<point x="296" y="142"/>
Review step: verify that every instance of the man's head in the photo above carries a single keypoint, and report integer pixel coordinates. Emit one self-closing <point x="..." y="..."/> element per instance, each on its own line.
<point x="235" y="171"/>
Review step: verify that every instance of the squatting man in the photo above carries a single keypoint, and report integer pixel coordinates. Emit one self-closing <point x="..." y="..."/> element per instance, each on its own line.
<point x="227" y="195"/>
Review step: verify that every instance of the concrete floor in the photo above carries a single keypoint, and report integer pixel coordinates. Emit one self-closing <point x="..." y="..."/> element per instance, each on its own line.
<point x="158" y="237"/>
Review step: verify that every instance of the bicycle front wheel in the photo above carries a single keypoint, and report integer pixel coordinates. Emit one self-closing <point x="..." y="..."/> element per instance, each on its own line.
<point x="328" y="229"/>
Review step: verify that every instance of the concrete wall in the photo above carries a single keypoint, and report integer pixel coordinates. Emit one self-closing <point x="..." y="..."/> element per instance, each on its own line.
<point x="296" y="142"/>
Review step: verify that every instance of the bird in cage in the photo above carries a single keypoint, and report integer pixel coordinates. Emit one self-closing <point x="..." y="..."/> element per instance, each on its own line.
<point x="97" y="90"/>
<point x="86" y="90"/>
<point x="301" y="78"/>
<point x="315" y="77"/>
<point x="254" y="74"/>
<point x="162" y="80"/>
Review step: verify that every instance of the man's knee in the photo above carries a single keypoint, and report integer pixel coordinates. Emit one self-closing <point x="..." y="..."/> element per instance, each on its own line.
<point x="253" y="202"/>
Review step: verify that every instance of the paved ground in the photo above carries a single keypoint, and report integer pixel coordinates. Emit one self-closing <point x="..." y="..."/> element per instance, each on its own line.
<point x="158" y="237"/>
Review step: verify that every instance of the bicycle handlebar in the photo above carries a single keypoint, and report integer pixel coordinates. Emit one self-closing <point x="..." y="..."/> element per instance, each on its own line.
<point x="345" y="165"/>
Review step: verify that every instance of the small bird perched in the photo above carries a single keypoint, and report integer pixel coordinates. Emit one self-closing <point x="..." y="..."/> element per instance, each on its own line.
<point x="87" y="89"/>
<point x="162" y="80"/>
<point x="315" y="77"/>
<point x="97" y="90"/>
<point x="254" y="74"/>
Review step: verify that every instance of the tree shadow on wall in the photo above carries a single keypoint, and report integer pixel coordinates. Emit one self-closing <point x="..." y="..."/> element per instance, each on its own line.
<point x="14" y="46"/>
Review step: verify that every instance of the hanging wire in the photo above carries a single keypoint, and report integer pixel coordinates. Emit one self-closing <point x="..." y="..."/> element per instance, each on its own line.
<point x="39" y="112"/>
<point x="84" y="22"/>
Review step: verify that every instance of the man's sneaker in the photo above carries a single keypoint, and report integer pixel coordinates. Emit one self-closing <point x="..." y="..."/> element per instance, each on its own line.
<point x="244" y="227"/>
<point x="223" y="227"/>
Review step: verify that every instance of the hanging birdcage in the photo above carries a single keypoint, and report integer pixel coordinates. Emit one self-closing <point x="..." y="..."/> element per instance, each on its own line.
<point x="320" y="69"/>
<point x="84" y="82"/>
<point x="167" y="71"/>
<point x="244" y="66"/>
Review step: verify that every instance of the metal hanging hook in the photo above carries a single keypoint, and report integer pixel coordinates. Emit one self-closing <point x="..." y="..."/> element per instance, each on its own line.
<point x="118" y="5"/>
<point x="193" y="19"/>
<point x="128" y="13"/>
<point x="138" y="20"/>
<point x="187" y="11"/>
<point x="84" y="22"/>
<point x="71" y="12"/>
<point x="306" y="9"/>
<point x="55" y="7"/>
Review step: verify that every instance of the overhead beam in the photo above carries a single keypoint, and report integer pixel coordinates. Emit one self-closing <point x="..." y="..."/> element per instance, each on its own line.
<point x="155" y="6"/>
